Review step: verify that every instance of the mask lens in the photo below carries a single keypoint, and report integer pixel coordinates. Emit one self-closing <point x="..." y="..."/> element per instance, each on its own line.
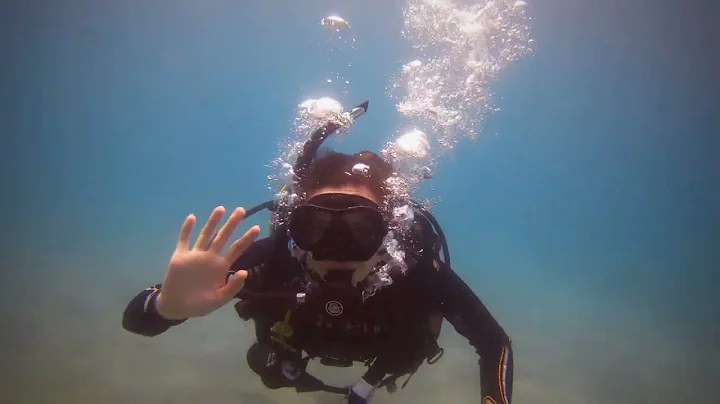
<point x="353" y="234"/>
<point x="365" y="225"/>
<point x="308" y="225"/>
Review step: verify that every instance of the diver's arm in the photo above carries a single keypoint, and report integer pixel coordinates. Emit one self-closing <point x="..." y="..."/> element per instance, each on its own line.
<point x="471" y="319"/>
<point x="141" y="317"/>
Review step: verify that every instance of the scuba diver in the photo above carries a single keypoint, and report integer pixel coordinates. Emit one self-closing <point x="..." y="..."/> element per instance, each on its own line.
<point x="324" y="285"/>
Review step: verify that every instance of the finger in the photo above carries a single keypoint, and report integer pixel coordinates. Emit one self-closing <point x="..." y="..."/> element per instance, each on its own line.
<point x="210" y="241"/>
<point x="233" y="286"/>
<point x="185" y="232"/>
<point x="240" y="245"/>
<point x="209" y="229"/>
<point x="227" y="230"/>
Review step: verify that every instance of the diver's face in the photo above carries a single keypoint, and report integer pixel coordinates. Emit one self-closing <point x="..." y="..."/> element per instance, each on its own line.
<point x="341" y="226"/>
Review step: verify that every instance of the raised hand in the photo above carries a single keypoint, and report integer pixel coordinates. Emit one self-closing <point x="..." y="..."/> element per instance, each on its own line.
<point x="195" y="282"/>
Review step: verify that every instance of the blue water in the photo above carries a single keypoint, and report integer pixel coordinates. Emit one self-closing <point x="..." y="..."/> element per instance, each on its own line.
<point x="586" y="216"/>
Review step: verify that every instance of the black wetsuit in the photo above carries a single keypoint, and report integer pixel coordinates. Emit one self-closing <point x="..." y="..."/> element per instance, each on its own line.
<point x="390" y="325"/>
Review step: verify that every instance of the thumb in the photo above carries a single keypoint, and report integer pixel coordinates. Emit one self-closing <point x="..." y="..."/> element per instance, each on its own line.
<point x="233" y="286"/>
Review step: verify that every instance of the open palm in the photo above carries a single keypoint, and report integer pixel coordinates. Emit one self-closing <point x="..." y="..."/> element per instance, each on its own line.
<point x="196" y="282"/>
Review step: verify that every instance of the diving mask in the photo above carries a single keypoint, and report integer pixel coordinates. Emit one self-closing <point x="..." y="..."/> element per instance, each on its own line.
<point x="338" y="227"/>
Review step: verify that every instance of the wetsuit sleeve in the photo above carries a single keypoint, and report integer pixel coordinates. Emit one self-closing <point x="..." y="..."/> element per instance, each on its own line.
<point x="140" y="316"/>
<point x="471" y="319"/>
